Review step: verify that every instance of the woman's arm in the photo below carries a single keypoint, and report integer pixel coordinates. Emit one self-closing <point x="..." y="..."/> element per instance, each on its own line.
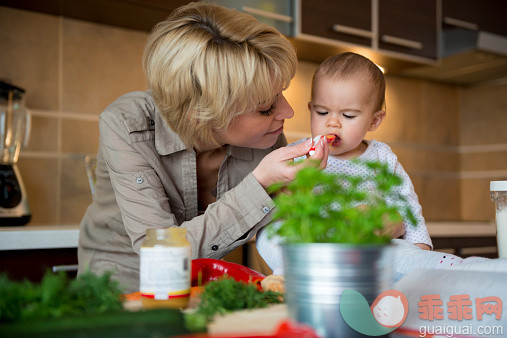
<point x="141" y="195"/>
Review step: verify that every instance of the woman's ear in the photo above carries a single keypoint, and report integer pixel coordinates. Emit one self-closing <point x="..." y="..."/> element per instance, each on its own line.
<point x="378" y="117"/>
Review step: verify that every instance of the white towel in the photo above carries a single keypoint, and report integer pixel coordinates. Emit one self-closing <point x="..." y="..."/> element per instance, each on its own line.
<point x="270" y="250"/>
<point x="407" y="258"/>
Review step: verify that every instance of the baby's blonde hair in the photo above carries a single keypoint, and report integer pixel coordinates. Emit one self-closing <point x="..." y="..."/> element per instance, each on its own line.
<point x="207" y="64"/>
<point x="347" y="65"/>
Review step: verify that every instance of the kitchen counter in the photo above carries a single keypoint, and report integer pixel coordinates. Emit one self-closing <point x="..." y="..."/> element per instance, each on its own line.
<point x="39" y="237"/>
<point x="66" y="236"/>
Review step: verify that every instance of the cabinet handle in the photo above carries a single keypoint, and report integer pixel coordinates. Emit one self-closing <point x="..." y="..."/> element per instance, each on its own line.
<point x="352" y="31"/>
<point x="460" y="23"/>
<point x="66" y="268"/>
<point x="266" y="14"/>
<point x="393" y="40"/>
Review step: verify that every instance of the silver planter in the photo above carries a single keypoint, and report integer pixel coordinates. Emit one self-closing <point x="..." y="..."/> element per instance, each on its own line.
<point x="316" y="275"/>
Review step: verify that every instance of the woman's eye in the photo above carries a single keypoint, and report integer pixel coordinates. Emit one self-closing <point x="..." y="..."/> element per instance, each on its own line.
<point x="268" y="112"/>
<point x="348" y="116"/>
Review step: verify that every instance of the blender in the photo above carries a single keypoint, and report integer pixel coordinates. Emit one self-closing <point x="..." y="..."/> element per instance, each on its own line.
<point x="14" y="134"/>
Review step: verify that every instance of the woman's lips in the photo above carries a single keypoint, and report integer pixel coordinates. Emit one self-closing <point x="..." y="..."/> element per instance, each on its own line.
<point x="276" y="132"/>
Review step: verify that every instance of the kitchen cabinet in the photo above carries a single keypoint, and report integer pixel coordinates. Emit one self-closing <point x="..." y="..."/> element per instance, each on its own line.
<point x="277" y="13"/>
<point x="390" y="29"/>
<point x="133" y="14"/>
<point x="408" y="27"/>
<point x="348" y="21"/>
<point x="488" y="16"/>
<point x="32" y="264"/>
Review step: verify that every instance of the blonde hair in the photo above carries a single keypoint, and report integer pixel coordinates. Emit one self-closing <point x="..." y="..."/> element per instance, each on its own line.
<point x="207" y="64"/>
<point x="347" y="65"/>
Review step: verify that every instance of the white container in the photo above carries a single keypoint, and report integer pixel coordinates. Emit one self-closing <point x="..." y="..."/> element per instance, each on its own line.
<point x="499" y="196"/>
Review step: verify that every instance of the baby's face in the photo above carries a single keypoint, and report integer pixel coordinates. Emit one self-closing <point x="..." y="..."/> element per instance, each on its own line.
<point x="344" y="108"/>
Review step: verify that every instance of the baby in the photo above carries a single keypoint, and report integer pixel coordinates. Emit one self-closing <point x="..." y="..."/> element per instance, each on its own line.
<point x="347" y="101"/>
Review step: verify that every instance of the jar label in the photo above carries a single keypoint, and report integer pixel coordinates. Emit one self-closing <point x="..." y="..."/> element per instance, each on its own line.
<point x="165" y="272"/>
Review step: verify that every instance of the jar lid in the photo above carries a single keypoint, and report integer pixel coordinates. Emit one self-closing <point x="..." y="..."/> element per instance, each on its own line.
<point x="498" y="186"/>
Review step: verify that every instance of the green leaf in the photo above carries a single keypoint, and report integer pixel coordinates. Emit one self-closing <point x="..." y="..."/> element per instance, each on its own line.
<point x="322" y="207"/>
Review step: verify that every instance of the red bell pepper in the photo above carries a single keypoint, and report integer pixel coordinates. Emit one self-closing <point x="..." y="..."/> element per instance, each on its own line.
<point x="205" y="270"/>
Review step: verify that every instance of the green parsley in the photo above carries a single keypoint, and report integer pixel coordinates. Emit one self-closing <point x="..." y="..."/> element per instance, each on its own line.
<point x="226" y="295"/>
<point x="317" y="207"/>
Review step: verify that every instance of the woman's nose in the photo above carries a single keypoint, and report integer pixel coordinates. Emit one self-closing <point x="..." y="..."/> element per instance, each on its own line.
<point x="285" y="111"/>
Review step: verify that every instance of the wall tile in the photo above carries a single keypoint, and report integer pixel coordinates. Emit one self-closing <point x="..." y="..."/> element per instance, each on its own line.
<point x="100" y="63"/>
<point x="29" y="47"/>
<point x="438" y="196"/>
<point x="419" y="112"/>
<point x="80" y="136"/>
<point x="40" y="179"/>
<point x="484" y="115"/>
<point x="402" y="105"/>
<point x="44" y="134"/>
<point x="484" y="161"/>
<point x="426" y="160"/>
<point x="298" y="95"/>
<point x="476" y="201"/>
<point x="440" y="112"/>
<point x="75" y="191"/>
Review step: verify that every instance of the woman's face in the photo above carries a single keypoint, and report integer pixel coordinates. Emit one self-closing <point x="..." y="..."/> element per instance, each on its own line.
<point x="259" y="128"/>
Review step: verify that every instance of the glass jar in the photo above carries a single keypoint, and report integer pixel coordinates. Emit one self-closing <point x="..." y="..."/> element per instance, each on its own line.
<point x="499" y="196"/>
<point x="165" y="266"/>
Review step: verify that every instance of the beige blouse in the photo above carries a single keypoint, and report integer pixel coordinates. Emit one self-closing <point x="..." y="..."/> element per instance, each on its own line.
<point x="146" y="178"/>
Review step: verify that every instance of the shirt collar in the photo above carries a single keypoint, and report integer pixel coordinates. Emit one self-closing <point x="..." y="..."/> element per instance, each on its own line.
<point x="168" y="142"/>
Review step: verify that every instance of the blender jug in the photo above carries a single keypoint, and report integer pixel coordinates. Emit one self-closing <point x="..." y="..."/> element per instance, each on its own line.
<point x="14" y="134"/>
<point x="499" y="196"/>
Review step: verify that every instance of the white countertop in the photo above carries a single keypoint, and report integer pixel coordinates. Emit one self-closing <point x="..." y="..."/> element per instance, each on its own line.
<point x="66" y="236"/>
<point x="39" y="237"/>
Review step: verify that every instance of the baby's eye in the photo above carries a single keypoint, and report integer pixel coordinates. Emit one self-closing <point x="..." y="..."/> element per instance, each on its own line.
<point x="267" y="112"/>
<point x="321" y="112"/>
<point x="347" y="116"/>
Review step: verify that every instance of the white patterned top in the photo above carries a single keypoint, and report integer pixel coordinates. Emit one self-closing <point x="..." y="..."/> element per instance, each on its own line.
<point x="378" y="151"/>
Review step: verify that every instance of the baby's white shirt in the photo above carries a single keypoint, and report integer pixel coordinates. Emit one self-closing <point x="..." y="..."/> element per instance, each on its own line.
<point x="379" y="151"/>
<point x="270" y="250"/>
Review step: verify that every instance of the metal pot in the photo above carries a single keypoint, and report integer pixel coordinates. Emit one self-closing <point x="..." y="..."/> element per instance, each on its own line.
<point x="316" y="275"/>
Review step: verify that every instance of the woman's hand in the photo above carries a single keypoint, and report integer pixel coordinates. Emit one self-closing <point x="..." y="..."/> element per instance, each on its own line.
<point x="278" y="167"/>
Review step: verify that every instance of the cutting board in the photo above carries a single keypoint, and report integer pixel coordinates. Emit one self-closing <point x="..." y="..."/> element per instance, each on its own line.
<point x="258" y="321"/>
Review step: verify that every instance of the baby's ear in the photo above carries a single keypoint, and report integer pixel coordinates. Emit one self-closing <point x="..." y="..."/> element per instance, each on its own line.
<point x="310" y="106"/>
<point x="378" y="117"/>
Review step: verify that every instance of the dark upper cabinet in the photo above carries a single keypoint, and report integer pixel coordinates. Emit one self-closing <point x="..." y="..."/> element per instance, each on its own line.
<point x="400" y="29"/>
<point x="133" y="14"/>
<point x="484" y="15"/>
<point x="277" y="13"/>
<point x="348" y="21"/>
<point x="408" y="27"/>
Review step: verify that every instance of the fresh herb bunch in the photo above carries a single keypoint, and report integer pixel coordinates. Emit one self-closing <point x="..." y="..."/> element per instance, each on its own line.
<point x="226" y="295"/>
<point x="318" y="207"/>
<point x="57" y="296"/>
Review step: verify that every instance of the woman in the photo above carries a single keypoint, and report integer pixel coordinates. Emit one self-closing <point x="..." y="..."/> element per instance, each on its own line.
<point x="199" y="148"/>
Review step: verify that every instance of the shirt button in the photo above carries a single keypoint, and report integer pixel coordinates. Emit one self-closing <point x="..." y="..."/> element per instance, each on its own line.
<point x="265" y="209"/>
<point x="139" y="180"/>
<point x="214" y="247"/>
<point x="152" y="123"/>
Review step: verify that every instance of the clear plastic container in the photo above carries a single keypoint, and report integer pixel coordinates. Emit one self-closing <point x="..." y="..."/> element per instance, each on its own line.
<point x="499" y="196"/>
<point x="165" y="267"/>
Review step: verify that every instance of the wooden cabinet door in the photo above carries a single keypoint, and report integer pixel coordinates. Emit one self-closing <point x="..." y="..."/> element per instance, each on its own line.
<point x="409" y="27"/>
<point x="485" y="15"/>
<point x="343" y="20"/>
<point x="277" y="13"/>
